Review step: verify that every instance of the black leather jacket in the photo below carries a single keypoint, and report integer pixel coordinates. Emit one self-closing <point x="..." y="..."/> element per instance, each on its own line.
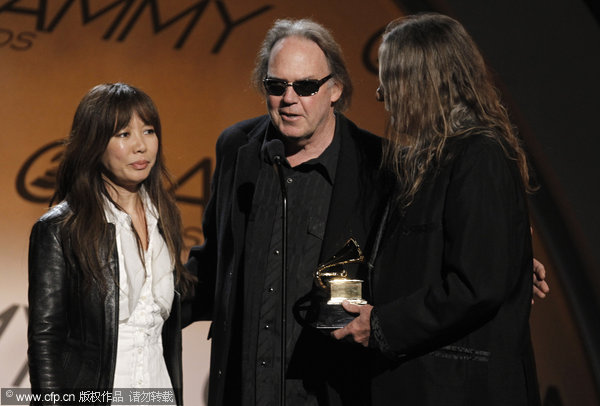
<point x="72" y="333"/>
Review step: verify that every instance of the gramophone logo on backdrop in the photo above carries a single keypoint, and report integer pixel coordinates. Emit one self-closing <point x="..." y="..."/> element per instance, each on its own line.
<point x="36" y="178"/>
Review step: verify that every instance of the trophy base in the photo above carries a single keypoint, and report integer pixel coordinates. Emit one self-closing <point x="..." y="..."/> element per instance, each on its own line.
<point x="333" y="316"/>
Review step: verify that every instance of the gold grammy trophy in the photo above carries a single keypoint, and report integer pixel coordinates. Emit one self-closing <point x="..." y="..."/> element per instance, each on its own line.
<point x="333" y="287"/>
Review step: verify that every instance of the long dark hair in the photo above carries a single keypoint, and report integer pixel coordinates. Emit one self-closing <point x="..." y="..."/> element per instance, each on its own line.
<point x="436" y="86"/>
<point x="104" y="110"/>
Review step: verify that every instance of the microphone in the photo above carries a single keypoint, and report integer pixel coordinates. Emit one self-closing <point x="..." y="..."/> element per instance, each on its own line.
<point x="275" y="153"/>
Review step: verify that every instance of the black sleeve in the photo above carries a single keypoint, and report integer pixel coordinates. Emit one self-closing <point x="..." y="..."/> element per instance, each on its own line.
<point x="48" y="298"/>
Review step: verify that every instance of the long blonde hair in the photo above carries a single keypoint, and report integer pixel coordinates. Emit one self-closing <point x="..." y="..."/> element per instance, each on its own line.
<point x="436" y="86"/>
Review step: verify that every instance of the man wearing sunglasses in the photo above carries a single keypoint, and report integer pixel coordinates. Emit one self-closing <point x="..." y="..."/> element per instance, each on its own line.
<point x="330" y="170"/>
<point x="334" y="192"/>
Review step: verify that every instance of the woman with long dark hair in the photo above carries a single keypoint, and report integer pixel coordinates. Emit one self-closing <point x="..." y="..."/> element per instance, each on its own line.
<point x="105" y="273"/>
<point x="452" y="282"/>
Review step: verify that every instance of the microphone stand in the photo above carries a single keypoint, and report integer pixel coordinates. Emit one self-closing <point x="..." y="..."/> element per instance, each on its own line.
<point x="279" y="170"/>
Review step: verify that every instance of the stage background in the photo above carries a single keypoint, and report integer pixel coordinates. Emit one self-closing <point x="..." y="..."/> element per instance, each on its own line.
<point x="194" y="59"/>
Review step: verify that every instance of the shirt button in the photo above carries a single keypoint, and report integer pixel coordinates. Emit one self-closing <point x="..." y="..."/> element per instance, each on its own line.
<point x="289" y="180"/>
<point x="275" y="252"/>
<point x="267" y="326"/>
<point x="271" y="289"/>
<point x="263" y="363"/>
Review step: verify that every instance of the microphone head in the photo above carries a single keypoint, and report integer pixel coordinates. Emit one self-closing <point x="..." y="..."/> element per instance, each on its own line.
<point x="274" y="150"/>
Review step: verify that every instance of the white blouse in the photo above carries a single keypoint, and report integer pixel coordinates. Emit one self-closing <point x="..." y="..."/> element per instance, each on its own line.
<point x="146" y="293"/>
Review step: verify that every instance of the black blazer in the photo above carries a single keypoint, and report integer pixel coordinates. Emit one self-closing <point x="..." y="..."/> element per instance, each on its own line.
<point x="453" y="287"/>
<point x="217" y="262"/>
<point x="72" y="333"/>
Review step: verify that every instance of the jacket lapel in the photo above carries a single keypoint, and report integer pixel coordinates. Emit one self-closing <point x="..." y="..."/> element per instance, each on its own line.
<point x="344" y="205"/>
<point x="247" y="169"/>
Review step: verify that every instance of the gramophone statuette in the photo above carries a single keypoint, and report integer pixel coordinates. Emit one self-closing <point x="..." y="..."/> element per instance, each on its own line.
<point x="334" y="287"/>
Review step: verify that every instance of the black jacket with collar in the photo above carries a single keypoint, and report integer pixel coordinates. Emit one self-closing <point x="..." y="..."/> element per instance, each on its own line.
<point x="218" y="263"/>
<point x="452" y="287"/>
<point x="73" y="331"/>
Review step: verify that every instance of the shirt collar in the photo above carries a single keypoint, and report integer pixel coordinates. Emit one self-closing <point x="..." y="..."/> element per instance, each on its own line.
<point x="115" y="215"/>
<point x="326" y="163"/>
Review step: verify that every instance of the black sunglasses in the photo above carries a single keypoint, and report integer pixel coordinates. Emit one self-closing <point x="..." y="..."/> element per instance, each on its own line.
<point x="307" y="87"/>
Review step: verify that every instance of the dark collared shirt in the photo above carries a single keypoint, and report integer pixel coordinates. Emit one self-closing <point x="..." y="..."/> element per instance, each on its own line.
<point x="309" y="187"/>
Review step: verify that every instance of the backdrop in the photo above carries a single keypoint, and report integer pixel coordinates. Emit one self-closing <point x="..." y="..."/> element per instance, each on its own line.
<point x="194" y="59"/>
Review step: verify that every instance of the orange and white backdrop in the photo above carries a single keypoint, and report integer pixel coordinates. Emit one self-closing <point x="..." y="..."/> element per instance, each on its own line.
<point x="194" y="58"/>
